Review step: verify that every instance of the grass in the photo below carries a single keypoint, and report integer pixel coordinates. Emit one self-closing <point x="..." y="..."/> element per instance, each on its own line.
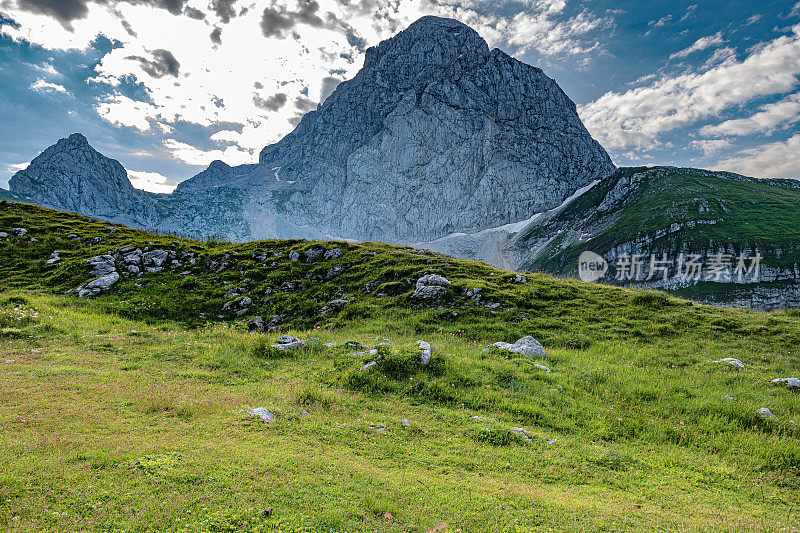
<point x="129" y="412"/>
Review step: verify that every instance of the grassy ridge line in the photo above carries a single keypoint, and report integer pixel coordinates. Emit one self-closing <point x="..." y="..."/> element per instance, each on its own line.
<point x="377" y="280"/>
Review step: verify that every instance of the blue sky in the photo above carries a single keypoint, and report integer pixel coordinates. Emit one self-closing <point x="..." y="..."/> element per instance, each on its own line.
<point x="167" y="86"/>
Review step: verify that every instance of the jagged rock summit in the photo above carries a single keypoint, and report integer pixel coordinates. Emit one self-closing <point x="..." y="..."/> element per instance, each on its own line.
<point x="73" y="176"/>
<point x="435" y="134"/>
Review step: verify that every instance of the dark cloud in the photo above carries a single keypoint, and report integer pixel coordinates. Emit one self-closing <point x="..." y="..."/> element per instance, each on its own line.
<point x="173" y="6"/>
<point x="224" y="9"/>
<point x="162" y="64"/>
<point x="65" y="11"/>
<point x="219" y="102"/>
<point x="277" y="22"/>
<point x="258" y="85"/>
<point x="329" y="85"/>
<point x="216" y="36"/>
<point x="271" y="103"/>
<point x="304" y="104"/>
<point x="194" y="13"/>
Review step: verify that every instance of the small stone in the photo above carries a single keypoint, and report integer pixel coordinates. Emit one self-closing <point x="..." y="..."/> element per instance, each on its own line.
<point x="36" y="352"/>
<point x="424" y="353"/>
<point x="9" y="361"/>
<point x="294" y="255"/>
<point x="791" y="383"/>
<point x="729" y="398"/>
<point x="312" y="254"/>
<point x="519" y="279"/>
<point x="369" y="365"/>
<point x="405" y="422"/>
<point x="334" y="253"/>
<point x="731" y="361"/>
<point x="19" y="232"/>
<point x="256" y="325"/>
<point x="262" y="413"/>
<point x="766" y="413"/>
<point x="542" y="367"/>
<point x="3" y="235"/>
<point x="287" y="342"/>
<point x="525" y="346"/>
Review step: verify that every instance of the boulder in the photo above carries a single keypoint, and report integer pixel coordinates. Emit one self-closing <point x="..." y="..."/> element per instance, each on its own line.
<point x="262" y="413"/>
<point x="312" y="254"/>
<point x="791" y="383"/>
<point x="334" y="253"/>
<point x="525" y="346"/>
<point x="424" y="353"/>
<point x="153" y="260"/>
<point x="257" y="325"/>
<point x="98" y="285"/>
<point x="765" y="413"/>
<point x="102" y="265"/>
<point x="430" y="287"/>
<point x="731" y="361"/>
<point x="294" y="255"/>
<point x="55" y="257"/>
<point x="287" y="342"/>
<point x="19" y="232"/>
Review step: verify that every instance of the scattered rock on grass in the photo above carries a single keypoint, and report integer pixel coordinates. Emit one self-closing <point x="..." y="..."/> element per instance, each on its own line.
<point x="542" y="367"/>
<point x="334" y="253"/>
<point x="257" y="325"/>
<point x="55" y="257"/>
<point x="525" y="346"/>
<point x="262" y="413"/>
<point x="791" y="383"/>
<point x="3" y="235"/>
<point x="766" y="413"/>
<point x="98" y="285"/>
<point x="19" y="232"/>
<point x="731" y="361"/>
<point x="405" y="422"/>
<point x="424" y="353"/>
<point x="521" y="433"/>
<point x="287" y="342"/>
<point x="430" y="287"/>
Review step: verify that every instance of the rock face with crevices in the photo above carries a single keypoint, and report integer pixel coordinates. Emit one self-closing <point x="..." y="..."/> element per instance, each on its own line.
<point x="435" y="134"/>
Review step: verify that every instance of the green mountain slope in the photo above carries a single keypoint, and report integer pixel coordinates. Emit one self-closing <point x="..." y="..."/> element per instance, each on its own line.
<point x="665" y="210"/>
<point x="129" y="411"/>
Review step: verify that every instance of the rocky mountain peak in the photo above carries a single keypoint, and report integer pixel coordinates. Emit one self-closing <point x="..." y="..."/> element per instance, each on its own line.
<point x="71" y="175"/>
<point x="431" y="45"/>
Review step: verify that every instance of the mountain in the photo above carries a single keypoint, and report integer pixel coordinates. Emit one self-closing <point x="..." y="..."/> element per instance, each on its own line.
<point x="715" y="218"/>
<point x="442" y="143"/>
<point x="435" y="134"/>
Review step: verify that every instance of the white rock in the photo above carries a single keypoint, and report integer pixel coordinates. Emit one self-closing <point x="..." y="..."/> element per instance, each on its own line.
<point x="525" y="346"/>
<point x="791" y="383"/>
<point x="98" y="285"/>
<point x="262" y="413"/>
<point x="765" y="413"/>
<point x="731" y="361"/>
<point x="424" y="353"/>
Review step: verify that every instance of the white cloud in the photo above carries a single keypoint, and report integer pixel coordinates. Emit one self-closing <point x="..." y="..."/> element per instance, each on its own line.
<point x="42" y="86"/>
<point x="772" y="160"/>
<point x="47" y="68"/>
<point x="15" y="167"/>
<point x="701" y="44"/>
<point x="711" y="146"/>
<point x="232" y="81"/>
<point x="151" y="181"/>
<point x="636" y="118"/>
<point x="232" y="155"/>
<point x="782" y="113"/>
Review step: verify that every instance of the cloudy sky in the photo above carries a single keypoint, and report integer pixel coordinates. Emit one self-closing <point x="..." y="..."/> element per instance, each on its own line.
<point x="167" y="86"/>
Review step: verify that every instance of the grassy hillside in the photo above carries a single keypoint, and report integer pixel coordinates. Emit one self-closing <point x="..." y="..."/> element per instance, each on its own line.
<point x="727" y="209"/>
<point x="128" y="412"/>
